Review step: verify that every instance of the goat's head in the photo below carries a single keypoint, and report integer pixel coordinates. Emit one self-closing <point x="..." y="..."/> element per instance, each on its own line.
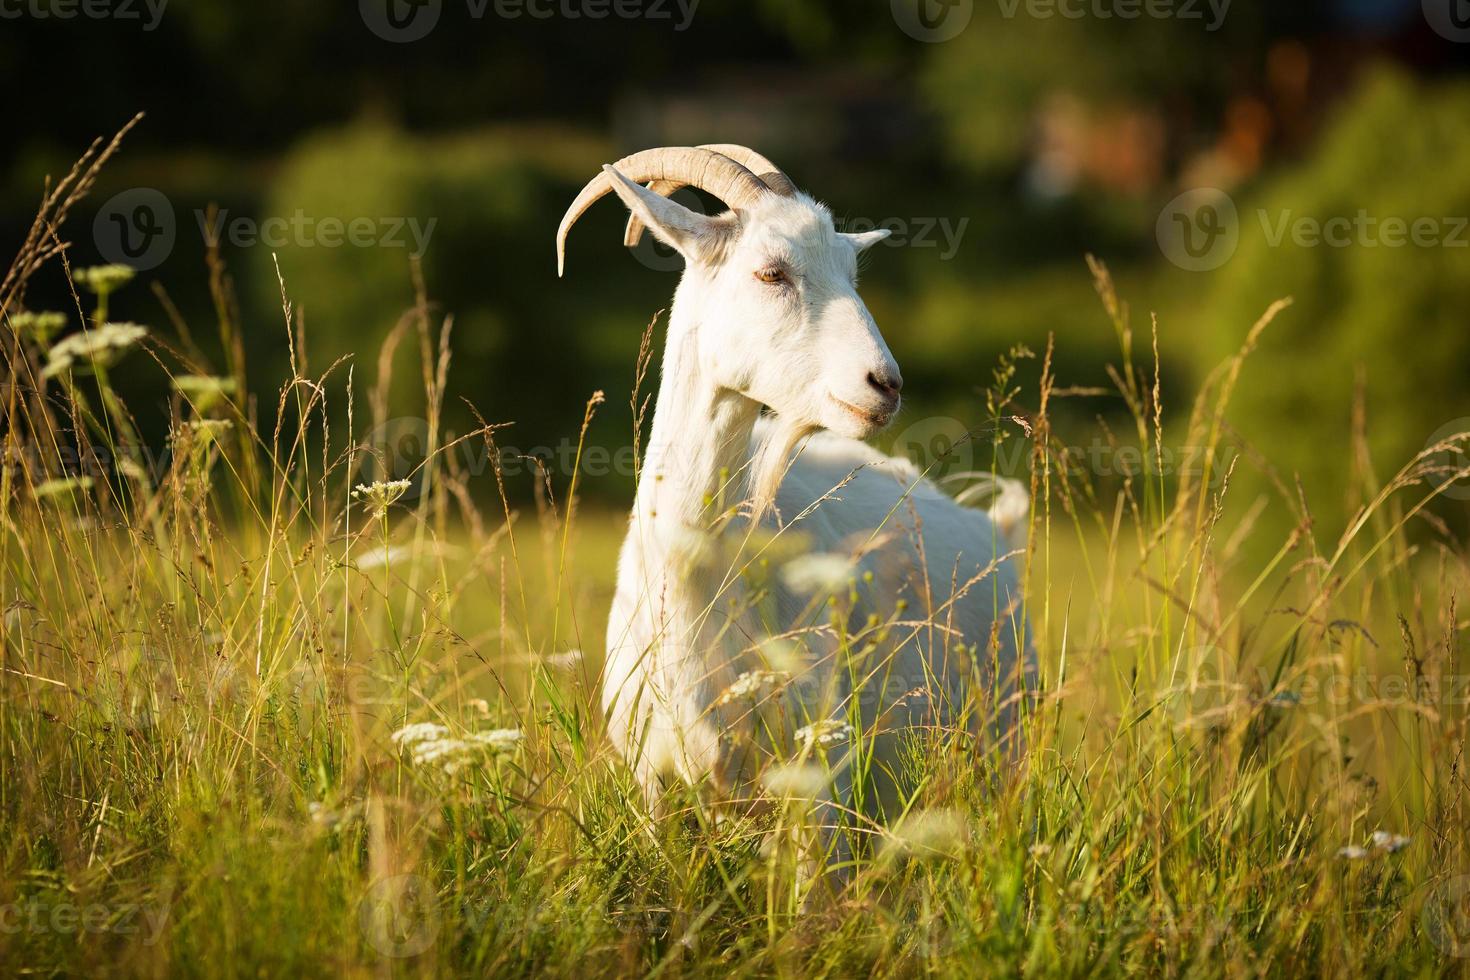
<point x="772" y="285"/>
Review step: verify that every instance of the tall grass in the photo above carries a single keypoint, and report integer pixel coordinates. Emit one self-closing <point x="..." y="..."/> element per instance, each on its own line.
<point x="207" y="654"/>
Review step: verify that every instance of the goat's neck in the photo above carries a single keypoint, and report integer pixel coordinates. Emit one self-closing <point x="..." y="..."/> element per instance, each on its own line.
<point x="694" y="469"/>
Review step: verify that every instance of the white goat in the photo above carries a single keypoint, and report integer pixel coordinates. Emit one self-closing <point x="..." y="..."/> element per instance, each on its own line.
<point x="768" y="313"/>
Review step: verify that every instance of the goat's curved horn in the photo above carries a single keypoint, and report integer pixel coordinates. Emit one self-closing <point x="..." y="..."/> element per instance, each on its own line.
<point x="769" y="174"/>
<point x="712" y="172"/>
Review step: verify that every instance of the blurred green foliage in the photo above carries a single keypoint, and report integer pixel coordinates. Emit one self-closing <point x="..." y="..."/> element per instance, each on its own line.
<point x="1399" y="314"/>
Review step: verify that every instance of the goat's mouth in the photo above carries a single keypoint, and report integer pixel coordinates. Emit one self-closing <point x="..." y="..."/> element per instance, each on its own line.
<point x="867" y="417"/>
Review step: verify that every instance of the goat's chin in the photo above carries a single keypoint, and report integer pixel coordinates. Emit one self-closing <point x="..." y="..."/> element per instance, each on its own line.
<point x="853" y="429"/>
<point x="846" y="419"/>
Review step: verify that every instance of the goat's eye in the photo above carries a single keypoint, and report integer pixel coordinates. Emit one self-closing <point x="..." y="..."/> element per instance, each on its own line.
<point x="771" y="275"/>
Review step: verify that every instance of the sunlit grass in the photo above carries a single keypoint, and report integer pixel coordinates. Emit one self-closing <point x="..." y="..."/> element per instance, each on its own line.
<point x="205" y="668"/>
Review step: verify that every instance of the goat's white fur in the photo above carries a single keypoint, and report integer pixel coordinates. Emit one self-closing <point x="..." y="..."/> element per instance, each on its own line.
<point x="806" y="348"/>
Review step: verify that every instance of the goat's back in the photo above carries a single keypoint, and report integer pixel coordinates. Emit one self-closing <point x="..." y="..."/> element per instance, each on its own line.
<point x="953" y="568"/>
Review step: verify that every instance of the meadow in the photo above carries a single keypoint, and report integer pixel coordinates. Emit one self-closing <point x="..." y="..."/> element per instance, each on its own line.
<point x="273" y="705"/>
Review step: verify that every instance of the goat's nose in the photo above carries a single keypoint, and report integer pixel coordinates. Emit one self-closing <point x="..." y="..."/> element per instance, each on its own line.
<point x="887" y="384"/>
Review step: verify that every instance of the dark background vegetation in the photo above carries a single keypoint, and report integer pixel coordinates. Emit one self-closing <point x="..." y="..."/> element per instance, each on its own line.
<point x="1051" y="138"/>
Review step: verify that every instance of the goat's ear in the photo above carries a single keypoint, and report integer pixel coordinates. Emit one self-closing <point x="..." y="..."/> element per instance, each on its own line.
<point x="693" y="235"/>
<point x="862" y="241"/>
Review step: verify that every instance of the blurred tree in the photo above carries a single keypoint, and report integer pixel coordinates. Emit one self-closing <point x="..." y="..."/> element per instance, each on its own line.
<point x="988" y="82"/>
<point x="1373" y="300"/>
<point x="482" y="205"/>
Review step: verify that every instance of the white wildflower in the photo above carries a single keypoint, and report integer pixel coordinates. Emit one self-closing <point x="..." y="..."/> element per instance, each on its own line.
<point x="499" y="741"/>
<point x="798" y="782"/>
<point x="824" y="733"/>
<point x="422" y="731"/>
<point x="202" y="432"/>
<point x="1352" y="852"/>
<point x="817" y="573"/>
<point x="379" y="496"/>
<point x="448" y="753"/>
<point x="1392" y="843"/>
<point x="565" y="660"/>
<point x="751" y="684"/>
<point x="39" y="326"/>
<point x="98" y="347"/>
<point x="103" y="279"/>
<point x="432" y="745"/>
